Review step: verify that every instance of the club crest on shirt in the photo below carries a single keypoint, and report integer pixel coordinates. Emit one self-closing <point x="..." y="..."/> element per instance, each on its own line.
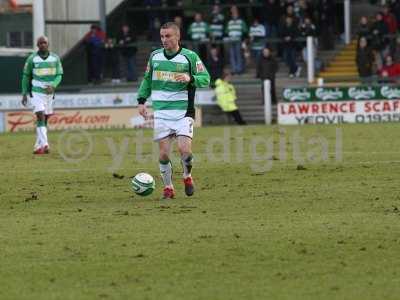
<point x="199" y="66"/>
<point x="180" y="67"/>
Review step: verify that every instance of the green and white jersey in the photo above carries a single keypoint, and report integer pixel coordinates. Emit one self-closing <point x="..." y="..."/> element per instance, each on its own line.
<point x="217" y="27"/>
<point x="198" y="31"/>
<point x="42" y="72"/>
<point x="236" y="29"/>
<point x="257" y="33"/>
<point x="172" y="100"/>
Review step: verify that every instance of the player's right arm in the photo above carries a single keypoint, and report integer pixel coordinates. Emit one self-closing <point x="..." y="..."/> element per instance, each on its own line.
<point x="26" y="78"/>
<point x="145" y="89"/>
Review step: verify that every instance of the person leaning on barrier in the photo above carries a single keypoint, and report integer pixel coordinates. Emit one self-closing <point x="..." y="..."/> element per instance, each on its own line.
<point x="128" y="52"/>
<point x="226" y="97"/>
<point x="94" y="43"/>
<point x="111" y="61"/>
<point x="266" y="70"/>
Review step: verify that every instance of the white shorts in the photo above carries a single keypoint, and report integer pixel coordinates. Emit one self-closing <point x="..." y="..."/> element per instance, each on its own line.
<point x="164" y="128"/>
<point x="41" y="102"/>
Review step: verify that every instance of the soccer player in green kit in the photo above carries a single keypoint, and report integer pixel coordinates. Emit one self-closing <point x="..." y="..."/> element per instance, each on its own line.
<point x="173" y="73"/>
<point x="42" y="74"/>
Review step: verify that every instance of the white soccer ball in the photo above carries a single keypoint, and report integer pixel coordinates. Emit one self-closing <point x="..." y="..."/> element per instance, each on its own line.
<point x="143" y="184"/>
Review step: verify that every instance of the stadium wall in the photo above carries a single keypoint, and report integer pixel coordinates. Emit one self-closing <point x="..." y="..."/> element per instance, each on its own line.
<point x="14" y="22"/>
<point x="11" y="72"/>
<point x="88" y="111"/>
<point x="65" y="34"/>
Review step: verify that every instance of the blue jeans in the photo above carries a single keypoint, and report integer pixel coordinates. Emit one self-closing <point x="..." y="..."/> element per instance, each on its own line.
<point x="289" y="55"/>
<point x="130" y="63"/>
<point x="271" y="30"/>
<point x="256" y="54"/>
<point x="236" y="59"/>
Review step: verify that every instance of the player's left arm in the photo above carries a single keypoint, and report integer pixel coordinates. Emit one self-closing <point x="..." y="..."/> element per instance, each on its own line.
<point x="26" y="79"/>
<point x="199" y="76"/>
<point x="57" y="80"/>
<point x="59" y="74"/>
<point x="27" y="75"/>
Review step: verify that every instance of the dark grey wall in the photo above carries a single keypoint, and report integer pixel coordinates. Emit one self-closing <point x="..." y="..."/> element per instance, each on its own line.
<point x="14" y="22"/>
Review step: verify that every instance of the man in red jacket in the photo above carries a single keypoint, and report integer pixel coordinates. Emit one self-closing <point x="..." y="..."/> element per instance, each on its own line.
<point x="94" y="42"/>
<point x="389" y="19"/>
<point x="389" y="69"/>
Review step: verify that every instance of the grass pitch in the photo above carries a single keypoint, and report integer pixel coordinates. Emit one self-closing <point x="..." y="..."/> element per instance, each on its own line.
<point x="279" y="213"/>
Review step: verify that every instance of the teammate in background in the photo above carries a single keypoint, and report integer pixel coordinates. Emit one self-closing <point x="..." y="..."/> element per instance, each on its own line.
<point x="42" y="74"/>
<point x="173" y="73"/>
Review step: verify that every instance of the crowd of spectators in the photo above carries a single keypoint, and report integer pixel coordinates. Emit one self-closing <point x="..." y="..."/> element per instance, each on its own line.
<point x="378" y="49"/>
<point x="224" y="36"/>
<point x="109" y="54"/>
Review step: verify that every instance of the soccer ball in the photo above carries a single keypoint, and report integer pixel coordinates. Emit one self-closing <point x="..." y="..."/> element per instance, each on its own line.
<point x="143" y="184"/>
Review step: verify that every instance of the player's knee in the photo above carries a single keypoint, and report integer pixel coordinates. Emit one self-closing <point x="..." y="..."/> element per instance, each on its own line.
<point x="40" y="116"/>
<point x="185" y="150"/>
<point x="163" y="155"/>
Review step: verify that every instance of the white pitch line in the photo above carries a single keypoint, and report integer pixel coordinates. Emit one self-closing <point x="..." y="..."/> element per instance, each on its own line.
<point x="329" y="163"/>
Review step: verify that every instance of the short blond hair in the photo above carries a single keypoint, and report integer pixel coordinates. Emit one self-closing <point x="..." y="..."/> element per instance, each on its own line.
<point x="172" y="25"/>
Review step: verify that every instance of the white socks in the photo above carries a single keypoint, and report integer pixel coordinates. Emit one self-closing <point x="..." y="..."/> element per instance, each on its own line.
<point x="38" y="143"/>
<point x="41" y="136"/>
<point x="166" y="172"/>
<point x="186" y="161"/>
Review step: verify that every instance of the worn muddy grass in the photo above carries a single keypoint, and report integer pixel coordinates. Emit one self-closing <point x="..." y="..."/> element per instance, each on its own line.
<point x="279" y="213"/>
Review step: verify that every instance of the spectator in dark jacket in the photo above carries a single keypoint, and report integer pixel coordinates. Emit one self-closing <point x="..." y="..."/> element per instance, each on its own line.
<point x="326" y="22"/>
<point x="289" y="34"/>
<point x="128" y="52"/>
<point x="378" y="31"/>
<point x="94" y="42"/>
<point x="272" y="12"/>
<point x="364" y="60"/>
<point x="215" y="64"/>
<point x="267" y="69"/>
<point x="363" y="29"/>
